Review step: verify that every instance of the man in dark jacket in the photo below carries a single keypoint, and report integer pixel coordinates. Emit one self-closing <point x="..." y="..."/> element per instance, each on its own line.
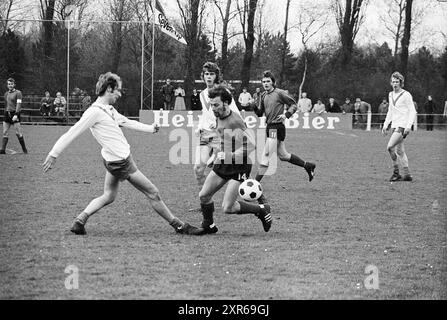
<point x="429" y="108"/>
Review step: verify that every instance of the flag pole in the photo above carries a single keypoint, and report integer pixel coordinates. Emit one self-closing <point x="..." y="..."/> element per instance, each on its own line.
<point x="142" y="65"/>
<point x="153" y="54"/>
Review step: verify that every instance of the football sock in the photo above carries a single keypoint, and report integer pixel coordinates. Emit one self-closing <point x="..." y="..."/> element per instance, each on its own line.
<point x="396" y="168"/>
<point x="249" y="208"/>
<point x="4" y="143"/>
<point x="207" y="213"/>
<point x="83" y="217"/>
<point x="406" y="171"/>
<point x="22" y="143"/>
<point x="296" y="160"/>
<point x="260" y="174"/>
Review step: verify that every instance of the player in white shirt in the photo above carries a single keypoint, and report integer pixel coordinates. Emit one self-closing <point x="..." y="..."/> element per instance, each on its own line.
<point x="104" y="122"/>
<point x="206" y="129"/>
<point x="401" y="114"/>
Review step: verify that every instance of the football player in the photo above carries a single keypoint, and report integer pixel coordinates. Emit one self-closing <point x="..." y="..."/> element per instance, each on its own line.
<point x="271" y="104"/>
<point x="104" y="121"/>
<point x="401" y="114"/>
<point x="231" y="165"/>
<point x="206" y="130"/>
<point x="13" y="99"/>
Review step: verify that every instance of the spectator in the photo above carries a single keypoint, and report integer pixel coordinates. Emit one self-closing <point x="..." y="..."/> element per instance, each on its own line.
<point x="430" y="108"/>
<point x="319" y="107"/>
<point x="46" y="104"/>
<point x="383" y="110"/>
<point x="304" y="104"/>
<point x="59" y="104"/>
<point x="195" y="100"/>
<point x="86" y="101"/>
<point x="244" y="99"/>
<point x="361" y="109"/>
<point x="168" y="95"/>
<point x="347" y="107"/>
<point x="179" y="98"/>
<point x="257" y="95"/>
<point x="333" y="106"/>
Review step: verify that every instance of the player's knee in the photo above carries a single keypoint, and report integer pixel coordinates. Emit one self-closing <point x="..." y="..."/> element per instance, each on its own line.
<point x="390" y="148"/>
<point x="204" y="197"/>
<point x="199" y="169"/>
<point x="154" y="195"/>
<point x="227" y="208"/>
<point x="284" y="156"/>
<point x="109" y="197"/>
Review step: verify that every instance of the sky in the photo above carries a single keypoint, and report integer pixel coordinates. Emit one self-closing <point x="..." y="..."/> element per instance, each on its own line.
<point x="431" y="32"/>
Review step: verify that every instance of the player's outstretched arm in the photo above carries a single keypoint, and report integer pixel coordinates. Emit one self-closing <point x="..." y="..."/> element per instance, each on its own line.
<point x="138" y="126"/>
<point x="49" y="162"/>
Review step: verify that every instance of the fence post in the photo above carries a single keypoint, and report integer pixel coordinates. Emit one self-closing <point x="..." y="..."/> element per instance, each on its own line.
<point x="415" y="124"/>
<point x="369" y="118"/>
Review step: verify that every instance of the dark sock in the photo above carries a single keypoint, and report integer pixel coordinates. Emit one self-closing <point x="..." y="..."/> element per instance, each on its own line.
<point x="249" y="208"/>
<point x="296" y="160"/>
<point x="22" y="143"/>
<point x="396" y="168"/>
<point x="4" y="143"/>
<point x="260" y="174"/>
<point x="207" y="213"/>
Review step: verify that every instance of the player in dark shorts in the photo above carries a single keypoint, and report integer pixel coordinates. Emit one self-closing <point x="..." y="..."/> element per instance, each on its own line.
<point x="272" y="105"/>
<point x="231" y="166"/>
<point x="13" y="105"/>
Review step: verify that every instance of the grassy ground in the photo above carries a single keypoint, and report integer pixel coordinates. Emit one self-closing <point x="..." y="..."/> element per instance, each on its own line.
<point x="325" y="233"/>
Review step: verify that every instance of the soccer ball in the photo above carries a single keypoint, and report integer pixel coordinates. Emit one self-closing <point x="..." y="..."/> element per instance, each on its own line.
<point x="250" y="190"/>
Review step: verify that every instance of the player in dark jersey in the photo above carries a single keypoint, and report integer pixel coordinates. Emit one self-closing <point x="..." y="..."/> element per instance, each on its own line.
<point x="272" y="104"/>
<point x="232" y="164"/>
<point x="13" y="105"/>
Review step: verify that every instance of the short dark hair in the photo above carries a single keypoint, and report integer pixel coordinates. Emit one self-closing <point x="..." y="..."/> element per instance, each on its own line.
<point x="268" y="74"/>
<point x="106" y="80"/>
<point x="212" y="67"/>
<point x="222" y="92"/>
<point x="11" y="80"/>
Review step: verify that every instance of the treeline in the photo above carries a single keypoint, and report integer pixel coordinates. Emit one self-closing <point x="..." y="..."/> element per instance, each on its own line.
<point x="24" y="57"/>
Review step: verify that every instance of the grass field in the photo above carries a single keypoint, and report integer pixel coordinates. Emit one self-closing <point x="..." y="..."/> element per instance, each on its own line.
<point x="324" y="234"/>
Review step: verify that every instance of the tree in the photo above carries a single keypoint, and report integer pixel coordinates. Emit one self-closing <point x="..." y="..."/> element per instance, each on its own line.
<point x="247" y="18"/>
<point x="12" y="57"/>
<point x="311" y="20"/>
<point x="284" y="44"/>
<point x="8" y="11"/>
<point x="406" y="37"/>
<point x="191" y="13"/>
<point x="393" y="21"/>
<point x="226" y="16"/>
<point x="119" y="10"/>
<point x="349" y="19"/>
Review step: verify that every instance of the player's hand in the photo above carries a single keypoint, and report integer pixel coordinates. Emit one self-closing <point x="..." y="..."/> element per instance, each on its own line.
<point x="48" y="163"/>
<point x="406" y="132"/>
<point x="384" y="131"/>
<point x="211" y="160"/>
<point x="282" y="117"/>
<point x="220" y="155"/>
<point x="198" y="132"/>
<point x="156" y="128"/>
<point x="15" y="118"/>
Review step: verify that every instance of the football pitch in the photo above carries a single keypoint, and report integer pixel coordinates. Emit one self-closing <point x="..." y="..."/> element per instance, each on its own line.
<point x="325" y="233"/>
